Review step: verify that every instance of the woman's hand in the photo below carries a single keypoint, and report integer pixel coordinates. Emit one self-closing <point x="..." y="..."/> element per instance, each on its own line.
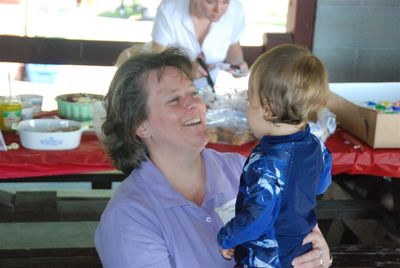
<point x="227" y="253"/>
<point x="236" y="60"/>
<point x="199" y="70"/>
<point x="239" y="70"/>
<point x="319" y="256"/>
<point x="244" y="68"/>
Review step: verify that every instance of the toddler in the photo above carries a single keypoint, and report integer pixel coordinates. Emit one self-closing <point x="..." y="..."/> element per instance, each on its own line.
<point x="275" y="204"/>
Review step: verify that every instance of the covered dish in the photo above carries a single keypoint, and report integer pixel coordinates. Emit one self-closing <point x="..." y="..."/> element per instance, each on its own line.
<point x="49" y="134"/>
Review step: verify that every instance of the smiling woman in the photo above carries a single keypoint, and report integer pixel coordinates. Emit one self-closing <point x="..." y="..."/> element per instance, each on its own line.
<point x="165" y="212"/>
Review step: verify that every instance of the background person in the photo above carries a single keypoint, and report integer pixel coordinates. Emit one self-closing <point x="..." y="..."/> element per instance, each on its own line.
<point x="164" y="214"/>
<point x="206" y="29"/>
<point x="288" y="86"/>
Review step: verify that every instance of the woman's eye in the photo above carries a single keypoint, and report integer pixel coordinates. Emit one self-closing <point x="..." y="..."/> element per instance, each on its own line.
<point x="175" y="99"/>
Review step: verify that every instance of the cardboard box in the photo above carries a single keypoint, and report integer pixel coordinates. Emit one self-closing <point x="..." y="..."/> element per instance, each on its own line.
<point x="378" y="129"/>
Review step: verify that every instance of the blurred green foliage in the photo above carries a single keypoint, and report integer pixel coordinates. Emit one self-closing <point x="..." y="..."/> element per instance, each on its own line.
<point x="125" y="11"/>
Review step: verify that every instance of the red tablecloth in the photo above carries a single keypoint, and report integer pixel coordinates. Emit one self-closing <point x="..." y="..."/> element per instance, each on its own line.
<point x="349" y="156"/>
<point x="353" y="156"/>
<point x="22" y="163"/>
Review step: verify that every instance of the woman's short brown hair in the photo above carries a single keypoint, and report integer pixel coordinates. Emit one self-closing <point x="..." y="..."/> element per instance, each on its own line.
<point x="291" y="82"/>
<point x="126" y="104"/>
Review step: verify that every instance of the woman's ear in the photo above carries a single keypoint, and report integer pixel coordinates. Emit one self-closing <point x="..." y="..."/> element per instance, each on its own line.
<point x="142" y="131"/>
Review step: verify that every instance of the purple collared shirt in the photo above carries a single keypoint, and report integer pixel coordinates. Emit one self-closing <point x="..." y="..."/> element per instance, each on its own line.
<point x="148" y="224"/>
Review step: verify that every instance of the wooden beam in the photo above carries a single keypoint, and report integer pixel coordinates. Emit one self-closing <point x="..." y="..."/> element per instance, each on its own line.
<point x="60" y="51"/>
<point x="304" y="22"/>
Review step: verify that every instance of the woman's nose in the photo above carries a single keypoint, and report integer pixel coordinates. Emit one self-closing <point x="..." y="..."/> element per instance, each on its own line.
<point x="218" y="8"/>
<point x="190" y="102"/>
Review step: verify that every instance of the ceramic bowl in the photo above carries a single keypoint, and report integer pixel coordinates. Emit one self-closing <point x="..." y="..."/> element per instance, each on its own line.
<point x="77" y="106"/>
<point x="49" y="134"/>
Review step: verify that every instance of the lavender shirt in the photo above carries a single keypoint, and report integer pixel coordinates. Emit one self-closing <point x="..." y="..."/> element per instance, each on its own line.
<point x="148" y="224"/>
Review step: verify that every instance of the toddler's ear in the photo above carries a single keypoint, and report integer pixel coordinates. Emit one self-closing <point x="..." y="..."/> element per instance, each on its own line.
<point x="267" y="115"/>
<point x="267" y="111"/>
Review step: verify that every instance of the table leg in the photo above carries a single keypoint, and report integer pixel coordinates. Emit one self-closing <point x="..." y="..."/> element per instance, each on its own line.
<point x="396" y="200"/>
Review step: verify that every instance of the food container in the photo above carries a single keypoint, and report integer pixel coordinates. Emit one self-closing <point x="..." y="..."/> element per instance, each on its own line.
<point x="29" y="100"/>
<point x="228" y="126"/>
<point x="77" y="106"/>
<point x="27" y="112"/>
<point x="49" y="134"/>
<point x="10" y="112"/>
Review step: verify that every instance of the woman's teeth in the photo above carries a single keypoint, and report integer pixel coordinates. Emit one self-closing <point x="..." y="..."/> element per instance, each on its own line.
<point x="192" y="121"/>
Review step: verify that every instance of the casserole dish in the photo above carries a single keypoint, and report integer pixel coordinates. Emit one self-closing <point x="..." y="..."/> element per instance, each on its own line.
<point x="49" y="134"/>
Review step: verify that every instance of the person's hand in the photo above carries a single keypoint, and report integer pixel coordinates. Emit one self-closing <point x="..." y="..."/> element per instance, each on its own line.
<point x="244" y="68"/>
<point x="227" y="253"/>
<point x="198" y="70"/>
<point x="319" y="256"/>
<point x="239" y="70"/>
<point x="201" y="69"/>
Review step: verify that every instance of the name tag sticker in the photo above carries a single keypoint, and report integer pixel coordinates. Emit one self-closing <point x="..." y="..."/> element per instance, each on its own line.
<point x="227" y="211"/>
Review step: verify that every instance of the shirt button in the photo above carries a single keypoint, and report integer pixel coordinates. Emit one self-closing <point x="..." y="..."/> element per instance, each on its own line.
<point x="208" y="219"/>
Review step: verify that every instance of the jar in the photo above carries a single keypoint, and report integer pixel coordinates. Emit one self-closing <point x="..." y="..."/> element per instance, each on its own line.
<point x="10" y="112"/>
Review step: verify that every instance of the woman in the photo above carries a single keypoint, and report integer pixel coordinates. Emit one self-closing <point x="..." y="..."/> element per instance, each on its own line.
<point x="206" y="29"/>
<point x="165" y="213"/>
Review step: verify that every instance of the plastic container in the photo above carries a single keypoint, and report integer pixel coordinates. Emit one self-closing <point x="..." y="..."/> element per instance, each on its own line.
<point x="77" y="106"/>
<point x="10" y="112"/>
<point x="32" y="100"/>
<point x="27" y="112"/>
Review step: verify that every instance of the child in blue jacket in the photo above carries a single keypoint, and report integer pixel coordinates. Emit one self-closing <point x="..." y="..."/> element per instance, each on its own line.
<point x="288" y="86"/>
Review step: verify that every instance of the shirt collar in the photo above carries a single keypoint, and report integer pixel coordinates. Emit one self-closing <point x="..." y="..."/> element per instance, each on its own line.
<point x="297" y="136"/>
<point x="169" y="197"/>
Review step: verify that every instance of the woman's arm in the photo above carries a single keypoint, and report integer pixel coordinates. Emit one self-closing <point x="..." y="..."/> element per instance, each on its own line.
<point x="318" y="257"/>
<point x="235" y="57"/>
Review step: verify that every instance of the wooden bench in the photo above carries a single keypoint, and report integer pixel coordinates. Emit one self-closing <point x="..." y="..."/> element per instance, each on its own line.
<point x="348" y="256"/>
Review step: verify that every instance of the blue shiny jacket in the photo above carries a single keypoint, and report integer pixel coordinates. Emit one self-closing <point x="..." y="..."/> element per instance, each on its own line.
<point x="276" y="200"/>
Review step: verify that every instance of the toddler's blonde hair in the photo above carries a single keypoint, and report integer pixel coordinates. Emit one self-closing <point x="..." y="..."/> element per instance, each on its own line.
<point x="291" y="83"/>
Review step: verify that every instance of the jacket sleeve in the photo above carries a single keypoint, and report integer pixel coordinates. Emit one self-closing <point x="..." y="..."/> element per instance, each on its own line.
<point x="257" y="215"/>
<point x="326" y="175"/>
